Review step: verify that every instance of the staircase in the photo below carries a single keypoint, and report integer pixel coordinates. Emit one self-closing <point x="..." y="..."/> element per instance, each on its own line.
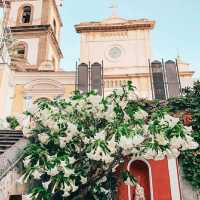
<point x="12" y="146"/>
<point x="8" y="139"/>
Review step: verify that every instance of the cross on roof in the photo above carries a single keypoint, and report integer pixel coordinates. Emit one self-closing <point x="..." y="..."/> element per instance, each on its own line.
<point x="114" y="8"/>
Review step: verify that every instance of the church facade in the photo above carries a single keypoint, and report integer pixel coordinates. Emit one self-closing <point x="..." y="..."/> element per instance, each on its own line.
<point x="123" y="45"/>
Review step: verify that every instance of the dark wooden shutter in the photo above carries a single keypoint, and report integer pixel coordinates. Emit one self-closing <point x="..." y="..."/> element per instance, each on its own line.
<point x="97" y="78"/>
<point x="158" y="80"/>
<point x="173" y="84"/>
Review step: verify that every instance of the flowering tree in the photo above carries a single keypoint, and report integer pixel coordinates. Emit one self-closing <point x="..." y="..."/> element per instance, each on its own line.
<point x="76" y="144"/>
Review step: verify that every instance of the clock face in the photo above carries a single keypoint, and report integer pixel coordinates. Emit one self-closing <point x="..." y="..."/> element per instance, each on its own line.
<point x="115" y="52"/>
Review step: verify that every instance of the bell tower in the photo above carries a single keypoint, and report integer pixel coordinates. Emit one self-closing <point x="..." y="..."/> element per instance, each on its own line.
<point x="35" y="24"/>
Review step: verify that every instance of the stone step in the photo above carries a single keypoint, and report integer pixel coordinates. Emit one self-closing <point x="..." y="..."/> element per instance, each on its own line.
<point x="2" y="151"/>
<point x="11" y="135"/>
<point x="9" y="138"/>
<point x="5" y="146"/>
<point x="11" y="142"/>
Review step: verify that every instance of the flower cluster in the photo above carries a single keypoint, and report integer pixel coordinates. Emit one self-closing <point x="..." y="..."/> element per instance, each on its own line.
<point x="75" y="142"/>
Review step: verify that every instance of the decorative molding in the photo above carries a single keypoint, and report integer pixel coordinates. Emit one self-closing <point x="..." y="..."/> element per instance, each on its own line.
<point x="44" y="88"/>
<point x="107" y="27"/>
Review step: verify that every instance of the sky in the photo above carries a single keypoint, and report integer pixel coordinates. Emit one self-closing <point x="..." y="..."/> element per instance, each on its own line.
<point x="177" y="26"/>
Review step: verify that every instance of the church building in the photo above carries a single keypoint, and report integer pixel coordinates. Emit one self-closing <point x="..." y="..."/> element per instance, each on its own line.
<point x="122" y="45"/>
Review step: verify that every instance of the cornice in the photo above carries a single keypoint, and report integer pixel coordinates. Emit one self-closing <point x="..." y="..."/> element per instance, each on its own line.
<point x="38" y="28"/>
<point x="64" y="77"/>
<point x="103" y="27"/>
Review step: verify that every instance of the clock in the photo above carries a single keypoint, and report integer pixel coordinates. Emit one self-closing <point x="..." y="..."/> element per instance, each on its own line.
<point x="115" y="52"/>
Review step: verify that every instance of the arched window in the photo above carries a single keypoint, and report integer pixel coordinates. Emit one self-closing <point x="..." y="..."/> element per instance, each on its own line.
<point x="26" y="15"/>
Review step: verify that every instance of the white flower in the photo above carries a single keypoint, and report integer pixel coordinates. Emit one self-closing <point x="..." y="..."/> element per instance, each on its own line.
<point x="161" y="139"/>
<point x="83" y="180"/>
<point x="139" y="193"/>
<point x="55" y="109"/>
<point x="119" y="92"/>
<point x="126" y="117"/>
<point x="94" y="100"/>
<point x="50" y="158"/>
<point x="65" y="140"/>
<point x="109" y="114"/>
<point x="99" y="154"/>
<point x="188" y="129"/>
<point x="33" y="109"/>
<point x="53" y="172"/>
<point x="71" y="160"/>
<point x="21" y="180"/>
<point x="140" y="114"/>
<point x="149" y="154"/>
<point x="176" y="142"/>
<point x="171" y="121"/>
<point x="27" y="161"/>
<point x="104" y="190"/>
<point x="125" y="143"/>
<point x="193" y="145"/>
<point x="132" y="95"/>
<point x="74" y="188"/>
<point x="67" y="188"/>
<point x="172" y="153"/>
<point x="102" y="180"/>
<point x="36" y="174"/>
<point x="27" y="132"/>
<point x="86" y="140"/>
<point x="66" y="194"/>
<point x="62" y="164"/>
<point x="43" y="138"/>
<point x="137" y="139"/>
<point x="160" y="155"/>
<point x="44" y="115"/>
<point x="4" y="125"/>
<point x="72" y="128"/>
<point x="46" y="184"/>
<point x="123" y="104"/>
<point x="129" y="182"/>
<point x="112" y="145"/>
<point x="115" y="168"/>
<point x="51" y="124"/>
<point x="68" y="172"/>
<point x="107" y="158"/>
<point x="100" y="136"/>
<point x="23" y="120"/>
<point x="68" y="109"/>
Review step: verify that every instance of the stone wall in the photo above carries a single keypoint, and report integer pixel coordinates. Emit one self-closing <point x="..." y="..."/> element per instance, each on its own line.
<point x="188" y="192"/>
<point x="10" y="171"/>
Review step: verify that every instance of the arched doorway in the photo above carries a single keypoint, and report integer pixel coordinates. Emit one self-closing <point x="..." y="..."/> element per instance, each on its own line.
<point x="142" y="171"/>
